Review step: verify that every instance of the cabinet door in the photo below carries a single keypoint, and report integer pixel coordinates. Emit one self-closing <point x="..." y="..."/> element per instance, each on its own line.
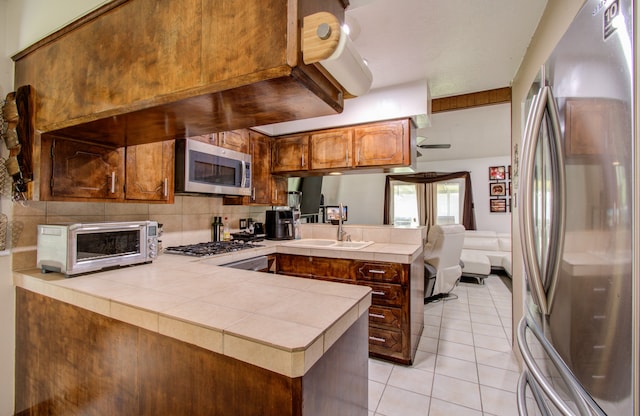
<point x="331" y="149"/>
<point x="324" y="268"/>
<point x="83" y="170"/>
<point x="382" y="144"/>
<point x="260" y="169"/>
<point x="237" y="140"/>
<point x="206" y="138"/>
<point x="149" y="174"/>
<point x="279" y="187"/>
<point x="290" y="154"/>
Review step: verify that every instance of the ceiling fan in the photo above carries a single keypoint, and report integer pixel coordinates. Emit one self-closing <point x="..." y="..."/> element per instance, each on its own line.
<point x="421" y="139"/>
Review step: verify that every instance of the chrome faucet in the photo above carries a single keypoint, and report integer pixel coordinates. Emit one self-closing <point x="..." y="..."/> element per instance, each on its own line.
<point x="341" y="232"/>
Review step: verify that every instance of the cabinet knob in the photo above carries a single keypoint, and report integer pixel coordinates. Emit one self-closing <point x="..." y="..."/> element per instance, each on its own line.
<point x="165" y="187"/>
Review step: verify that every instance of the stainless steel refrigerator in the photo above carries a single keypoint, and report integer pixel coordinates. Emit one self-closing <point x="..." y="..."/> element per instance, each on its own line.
<point x="578" y="222"/>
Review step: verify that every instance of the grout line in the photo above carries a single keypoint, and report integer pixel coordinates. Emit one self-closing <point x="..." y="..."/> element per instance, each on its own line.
<point x="495" y="293"/>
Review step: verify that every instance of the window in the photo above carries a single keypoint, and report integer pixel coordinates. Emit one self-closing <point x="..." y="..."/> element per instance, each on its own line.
<point x="405" y="204"/>
<point x="448" y="202"/>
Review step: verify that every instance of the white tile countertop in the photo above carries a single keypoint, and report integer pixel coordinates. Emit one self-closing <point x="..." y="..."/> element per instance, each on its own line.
<point x="277" y="322"/>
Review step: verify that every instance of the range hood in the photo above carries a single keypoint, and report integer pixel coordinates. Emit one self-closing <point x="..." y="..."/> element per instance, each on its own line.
<point x="178" y="70"/>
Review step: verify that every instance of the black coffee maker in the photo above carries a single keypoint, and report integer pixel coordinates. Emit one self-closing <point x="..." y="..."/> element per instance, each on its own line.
<point x="279" y="225"/>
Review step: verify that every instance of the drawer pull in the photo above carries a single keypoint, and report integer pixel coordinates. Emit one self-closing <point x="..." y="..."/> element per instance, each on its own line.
<point x="376" y="315"/>
<point x="378" y="339"/>
<point x="376" y="271"/>
<point x="377" y="292"/>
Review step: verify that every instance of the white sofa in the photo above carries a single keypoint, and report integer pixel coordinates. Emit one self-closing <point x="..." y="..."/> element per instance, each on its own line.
<point x="483" y="251"/>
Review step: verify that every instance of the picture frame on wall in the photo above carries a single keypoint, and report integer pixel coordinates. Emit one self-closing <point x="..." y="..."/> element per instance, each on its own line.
<point x="497" y="173"/>
<point x="498" y="189"/>
<point x="498" y="205"/>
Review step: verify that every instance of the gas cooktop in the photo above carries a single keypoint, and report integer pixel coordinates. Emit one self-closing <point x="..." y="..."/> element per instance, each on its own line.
<point x="211" y="248"/>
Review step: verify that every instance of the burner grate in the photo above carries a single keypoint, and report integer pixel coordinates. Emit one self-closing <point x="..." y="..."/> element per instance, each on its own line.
<point x="211" y="248"/>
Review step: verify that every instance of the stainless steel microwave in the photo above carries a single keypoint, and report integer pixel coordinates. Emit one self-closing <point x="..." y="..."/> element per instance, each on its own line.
<point x="209" y="169"/>
<point x="86" y="247"/>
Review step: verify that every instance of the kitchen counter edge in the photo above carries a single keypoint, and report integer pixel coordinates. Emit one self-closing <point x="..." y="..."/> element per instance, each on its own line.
<point x="292" y="360"/>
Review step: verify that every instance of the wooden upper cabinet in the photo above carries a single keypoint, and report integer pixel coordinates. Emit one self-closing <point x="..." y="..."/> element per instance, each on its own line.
<point x="266" y="189"/>
<point x="73" y="170"/>
<point x="332" y="149"/>
<point x="79" y="171"/>
<point x="261" y="192"/>
<point x="206" y="138"/>
<point x="237" y="140"/>
<point x="290" y="154"/>
<point x="382" y="144"/>
<point x="279" y="190"/>
<point x="177" y="68"/>
<point x="149" y="171"/>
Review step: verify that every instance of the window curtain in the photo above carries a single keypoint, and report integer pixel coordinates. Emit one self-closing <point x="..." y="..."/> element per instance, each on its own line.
<point x="428" y="179"/>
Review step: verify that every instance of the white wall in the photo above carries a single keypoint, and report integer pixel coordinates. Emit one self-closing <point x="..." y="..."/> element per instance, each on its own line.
<point x="7" y="297"/>
<point x="31" y="20"/>
<point x="364" y="193"/>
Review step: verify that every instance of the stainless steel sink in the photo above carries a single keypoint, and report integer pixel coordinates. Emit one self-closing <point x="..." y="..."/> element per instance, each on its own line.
<point x="332" y="244"/>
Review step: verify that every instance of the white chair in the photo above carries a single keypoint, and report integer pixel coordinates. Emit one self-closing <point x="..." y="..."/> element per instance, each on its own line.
<point x="442" y="255"/>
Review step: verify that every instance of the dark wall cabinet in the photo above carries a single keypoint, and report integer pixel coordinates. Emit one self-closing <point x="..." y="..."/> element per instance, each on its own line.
<point x="78" y="171"/>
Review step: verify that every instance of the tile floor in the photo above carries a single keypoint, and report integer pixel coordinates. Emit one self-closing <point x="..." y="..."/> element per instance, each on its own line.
<point x="464" y="364"/>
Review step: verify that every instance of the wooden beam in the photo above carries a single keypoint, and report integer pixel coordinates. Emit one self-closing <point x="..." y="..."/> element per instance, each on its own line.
<point x="475" y="99"/>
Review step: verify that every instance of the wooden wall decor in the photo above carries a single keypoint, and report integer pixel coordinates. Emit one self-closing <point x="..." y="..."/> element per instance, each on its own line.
<point x="476" y="99"/>
<point x="18" y="135"/>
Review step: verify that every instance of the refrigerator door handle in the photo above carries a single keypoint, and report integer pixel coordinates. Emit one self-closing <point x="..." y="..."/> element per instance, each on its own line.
<point x="544" y="103"/>
<point x="556" y="241"/>
<point x="523" y="381"/>
<point x="584" y="402"/>
<point x="527" y="233"/>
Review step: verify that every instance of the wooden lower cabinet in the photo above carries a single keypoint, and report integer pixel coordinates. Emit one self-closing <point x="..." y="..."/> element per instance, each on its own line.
<point x="72" y="361"/>
<point x="396" y="316"/>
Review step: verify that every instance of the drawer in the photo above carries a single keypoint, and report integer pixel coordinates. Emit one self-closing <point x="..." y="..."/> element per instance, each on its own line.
<point x="373" y="271"/>
<point x="314" y="267"/>
<point x="385" y="316"/>
<point x="386" y="294"/>
<point x="385" y="341"/>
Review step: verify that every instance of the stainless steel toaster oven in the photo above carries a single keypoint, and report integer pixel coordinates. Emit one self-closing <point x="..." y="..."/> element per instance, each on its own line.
<point x="86" y="247"/>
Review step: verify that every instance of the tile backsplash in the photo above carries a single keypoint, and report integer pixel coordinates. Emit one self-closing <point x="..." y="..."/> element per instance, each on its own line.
<point x="187" y="220"/>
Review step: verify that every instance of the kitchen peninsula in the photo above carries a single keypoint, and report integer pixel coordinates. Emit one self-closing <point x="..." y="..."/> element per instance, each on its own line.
<point x="185" y="336"/>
